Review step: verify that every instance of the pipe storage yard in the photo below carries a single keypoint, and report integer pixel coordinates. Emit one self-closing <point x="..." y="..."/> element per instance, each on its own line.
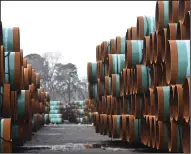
<point x="141" y="81"/>
<point x="138" y="92"/>
<point x="24" y="104"/>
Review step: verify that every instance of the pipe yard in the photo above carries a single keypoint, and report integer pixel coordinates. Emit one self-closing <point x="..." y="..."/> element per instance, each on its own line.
<point x="138" y="93"/>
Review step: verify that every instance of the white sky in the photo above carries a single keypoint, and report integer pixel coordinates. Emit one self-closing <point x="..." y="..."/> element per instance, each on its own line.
<point x="70" y="27"/>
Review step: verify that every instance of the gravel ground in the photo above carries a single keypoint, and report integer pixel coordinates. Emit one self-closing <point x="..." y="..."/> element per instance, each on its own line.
<point x="73" y="138"/>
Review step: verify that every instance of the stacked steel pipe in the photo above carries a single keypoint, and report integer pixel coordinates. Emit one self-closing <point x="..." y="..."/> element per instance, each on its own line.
<point x="77" y="109"/>
<point x="141" y="84"/>
<point x="89" y="108"/>
<point x="23" y="104"/>
<point x="80" y="111"/>
<point x="56" y="115"/>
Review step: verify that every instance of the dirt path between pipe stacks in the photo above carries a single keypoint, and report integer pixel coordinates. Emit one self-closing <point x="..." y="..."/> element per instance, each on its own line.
<point x="74" y="138"/>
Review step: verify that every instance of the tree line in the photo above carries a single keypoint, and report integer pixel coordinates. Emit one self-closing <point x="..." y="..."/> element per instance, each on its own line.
<point x="60" y="80"/>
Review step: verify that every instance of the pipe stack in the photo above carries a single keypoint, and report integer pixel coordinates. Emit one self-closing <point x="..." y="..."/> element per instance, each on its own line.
<point x="89" y="108"/>
<point x="141" y="84"/>
<point x="77" y="108"/>
<point x="56" y="115"/>
<point x="23" y="104"/>
<point x="74" y="112"/>
<point x="80" y="111"/>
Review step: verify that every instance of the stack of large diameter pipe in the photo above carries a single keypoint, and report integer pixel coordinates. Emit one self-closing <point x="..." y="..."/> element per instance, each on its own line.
<point x="19" y="83"/>
<point x="55" y="112"/>
<point x="80" y="111"/>
<point x="89" y="108"/>
<point x="143" y="81"/>
<point x="96" y="73"/>
<point x="73" y="108"/>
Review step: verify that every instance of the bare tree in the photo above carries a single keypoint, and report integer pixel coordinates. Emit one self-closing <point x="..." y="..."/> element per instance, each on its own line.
<point x="60" y="80"/>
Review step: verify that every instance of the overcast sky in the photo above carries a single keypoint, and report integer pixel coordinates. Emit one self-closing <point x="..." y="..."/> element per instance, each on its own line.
<point x="70" y="27"/>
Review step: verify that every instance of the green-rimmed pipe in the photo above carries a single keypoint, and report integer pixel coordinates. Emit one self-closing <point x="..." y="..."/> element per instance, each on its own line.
<point x="6" y="133"/>
<point x="11" y="39"/>
<point x="101" y="87"/>
<point x="116" y="63"/>
<point x="120" y="62"/>
<point x="55" y="103"/>
<point x="162" y="103"/>
<point x="133" y="129"/>
<point x="55" y="116"/>
<point x="92" y="72"/>
<point x="134" y="53"/>
<point x="142" y="79"/>
<point x="56" y="120"/>
<point x="23" y="107"/>
<point x="13" y="69"/>
<point x="55" y="107"/>
<point x="92" y="90"/>
<point x="107" y="85"/>
<point x="115" y="85"/>
<point x="120" y="44"/>
<point x="145" y="26"/>
<point x="112" y="63"/>
<point x="54" y="111"/>
<point x="161" y="14"/>
<point x="46" y="118"/>
<point x="175" y="137"/>
<point x="116" y="126"/>
<point x="177" y="61"/>
<point x="162" y="131"/>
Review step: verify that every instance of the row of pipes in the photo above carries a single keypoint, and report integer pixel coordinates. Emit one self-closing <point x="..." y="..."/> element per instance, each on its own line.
<point x="140" y="82"/>
<point x="24" y="105"/>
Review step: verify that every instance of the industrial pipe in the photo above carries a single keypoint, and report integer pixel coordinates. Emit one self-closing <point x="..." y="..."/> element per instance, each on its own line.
<point x="145" y="26"/>
<point x="177" y="61"/>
